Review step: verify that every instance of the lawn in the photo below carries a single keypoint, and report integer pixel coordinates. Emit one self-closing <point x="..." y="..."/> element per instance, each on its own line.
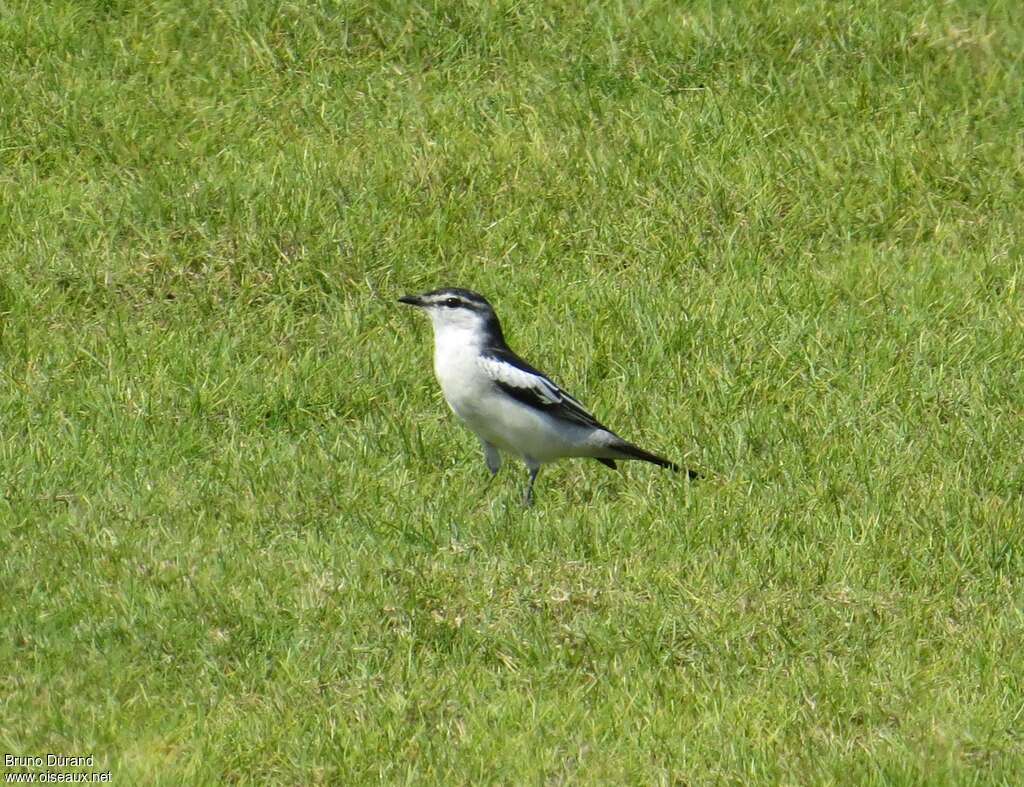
<point x="245" y="541"/>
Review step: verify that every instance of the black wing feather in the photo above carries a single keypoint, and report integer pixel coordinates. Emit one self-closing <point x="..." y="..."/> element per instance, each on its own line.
<point x="534" y="388"/>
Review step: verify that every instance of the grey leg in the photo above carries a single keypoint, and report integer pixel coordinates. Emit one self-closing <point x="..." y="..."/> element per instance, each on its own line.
<point x="492" y="457"/>
<point x="534" y="468"/>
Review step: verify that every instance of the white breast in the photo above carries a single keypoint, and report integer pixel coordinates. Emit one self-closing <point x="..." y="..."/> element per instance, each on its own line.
<point x="455" y="354"/>
<point x="491" y="414"/>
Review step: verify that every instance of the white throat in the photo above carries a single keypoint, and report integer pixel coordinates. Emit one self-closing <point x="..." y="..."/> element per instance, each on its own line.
<point x="457" y="345"/>
<point x="451" y="339"/>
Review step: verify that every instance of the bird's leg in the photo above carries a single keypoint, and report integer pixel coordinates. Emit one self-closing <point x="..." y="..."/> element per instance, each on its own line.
<point x="493" y="459"/>
<point x="528" y="495"/>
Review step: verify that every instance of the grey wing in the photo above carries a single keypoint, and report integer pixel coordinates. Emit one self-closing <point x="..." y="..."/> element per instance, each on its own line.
<point x="529" y="386"/>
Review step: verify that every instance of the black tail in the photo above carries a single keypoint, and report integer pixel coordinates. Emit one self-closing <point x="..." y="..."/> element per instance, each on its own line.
<point x="630" y="451"/>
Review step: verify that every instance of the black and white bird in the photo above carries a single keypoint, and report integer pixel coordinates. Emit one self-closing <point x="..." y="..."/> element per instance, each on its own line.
<point x="508" y="404"/>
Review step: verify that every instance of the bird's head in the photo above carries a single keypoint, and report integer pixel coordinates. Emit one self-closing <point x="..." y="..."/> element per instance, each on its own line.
<point x="455" y="309"/>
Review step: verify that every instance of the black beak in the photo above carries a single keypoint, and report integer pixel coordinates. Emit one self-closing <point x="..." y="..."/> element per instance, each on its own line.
<point x="412" y="300"/>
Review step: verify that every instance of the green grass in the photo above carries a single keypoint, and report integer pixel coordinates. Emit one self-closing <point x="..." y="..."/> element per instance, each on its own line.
<point x="244" y="540"/>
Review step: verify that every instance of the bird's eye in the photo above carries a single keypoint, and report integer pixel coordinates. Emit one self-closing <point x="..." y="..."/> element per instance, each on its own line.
<point x="453" y="302"/>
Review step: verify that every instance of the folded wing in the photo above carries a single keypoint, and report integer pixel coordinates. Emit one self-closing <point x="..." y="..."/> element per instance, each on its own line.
<point x="522" y="382"/>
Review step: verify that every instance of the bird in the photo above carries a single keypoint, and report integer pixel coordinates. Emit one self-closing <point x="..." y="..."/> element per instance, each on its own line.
<point x="510" y="405"/>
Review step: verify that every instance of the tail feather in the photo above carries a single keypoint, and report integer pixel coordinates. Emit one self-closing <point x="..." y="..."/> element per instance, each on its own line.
<point x="629" y="451"/>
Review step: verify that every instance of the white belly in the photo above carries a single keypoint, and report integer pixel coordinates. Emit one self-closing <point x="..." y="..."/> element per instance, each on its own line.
<point x="502" y="421"/>
<point x="521" y="430"/>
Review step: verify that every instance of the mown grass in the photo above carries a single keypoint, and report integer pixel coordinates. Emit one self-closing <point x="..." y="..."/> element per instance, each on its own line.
<point x="243" y="539"/>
